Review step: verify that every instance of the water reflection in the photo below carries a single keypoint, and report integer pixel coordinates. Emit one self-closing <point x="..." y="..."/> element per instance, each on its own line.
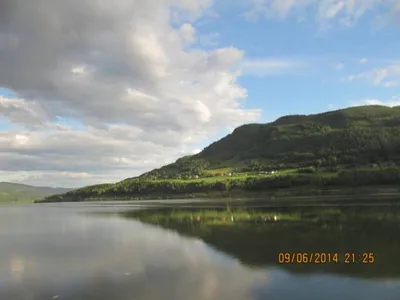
<point x="257" y="236"/>
<point x="115" y="259"/>
<point x="17" y="267"/>
<point x="59" y="253"/>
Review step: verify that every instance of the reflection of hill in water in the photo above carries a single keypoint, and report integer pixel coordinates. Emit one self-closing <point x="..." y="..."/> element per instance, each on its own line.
<point x="257" y="242"/>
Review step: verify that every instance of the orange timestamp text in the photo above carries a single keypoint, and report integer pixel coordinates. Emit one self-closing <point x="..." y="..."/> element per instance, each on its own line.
<point x="326" y="258"/>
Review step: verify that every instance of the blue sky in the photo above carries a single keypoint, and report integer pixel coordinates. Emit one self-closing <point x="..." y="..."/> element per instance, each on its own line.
<point x="152" y="81"/>
<point x="317" y="86"/>
<point x="328" y="56"/>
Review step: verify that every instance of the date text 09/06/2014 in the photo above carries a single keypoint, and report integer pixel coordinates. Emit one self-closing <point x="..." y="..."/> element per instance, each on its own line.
<point x="326" y="258"/>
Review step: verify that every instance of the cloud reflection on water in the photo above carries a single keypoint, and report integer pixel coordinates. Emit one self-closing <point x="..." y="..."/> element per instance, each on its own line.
<point x="75" y="256"/>
<point x="99" y="258"/>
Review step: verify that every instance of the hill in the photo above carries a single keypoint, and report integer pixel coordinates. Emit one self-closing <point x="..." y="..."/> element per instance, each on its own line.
<point x="15" y="192"/>
<point x="357" y="135"/>
<point x="353" y="145"/>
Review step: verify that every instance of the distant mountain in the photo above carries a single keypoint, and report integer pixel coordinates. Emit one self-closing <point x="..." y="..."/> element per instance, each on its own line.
<point x="15" y="192"/>
<point x="330" y="142"/>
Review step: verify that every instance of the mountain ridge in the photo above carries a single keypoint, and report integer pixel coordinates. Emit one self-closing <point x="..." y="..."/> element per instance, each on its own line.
<point x="17" y="184"/>
<point x="325" y="143"/>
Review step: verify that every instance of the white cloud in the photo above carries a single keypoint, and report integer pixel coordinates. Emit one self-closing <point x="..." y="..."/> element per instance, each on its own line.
<point x="265" y="67"/>
<point x="390" y="84"/>
<point x="195" y="151"/>
<point x="67" y="179"/>
<point x="329" y="9"/>
<point x="346" y="12"/>
<point x="59" y="157"/>
<point x="394" y="101"/>
<point x="388" y="76"/>
<point x="20" y="111"/>
<point x="188" y="33"/>
<point x="123" y="71"/>
<point x="195" y="270"/>
<point x="338" y="66"/>
<point x="363" y="61"/>
<point x="8" y="41"/>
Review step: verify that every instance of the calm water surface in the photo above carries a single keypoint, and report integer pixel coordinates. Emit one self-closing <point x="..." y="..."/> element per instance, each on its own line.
<point x="68" y="252"/>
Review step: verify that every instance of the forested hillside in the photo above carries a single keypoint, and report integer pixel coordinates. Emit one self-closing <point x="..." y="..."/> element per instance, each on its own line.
<point x="353" y="146"/>
<point x="357" y="135"/>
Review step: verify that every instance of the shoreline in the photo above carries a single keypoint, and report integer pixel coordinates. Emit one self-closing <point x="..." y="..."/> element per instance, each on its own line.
<point x="366" y="194"/>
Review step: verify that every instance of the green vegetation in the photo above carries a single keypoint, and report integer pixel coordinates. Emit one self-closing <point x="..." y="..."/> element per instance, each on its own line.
<point x="344" y="149"/>
<point x="246" y="216"/>
<point x="21" y="193"/>
<point x="211" y="216"/>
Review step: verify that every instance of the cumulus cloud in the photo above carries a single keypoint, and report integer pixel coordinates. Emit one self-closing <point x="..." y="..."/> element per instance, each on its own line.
<point x="62" y="156"/>
<point x="188" y="33"/>
<point x="345" y="12"/>
<point x="124" y="71"/>
<point x="20" y="111"/>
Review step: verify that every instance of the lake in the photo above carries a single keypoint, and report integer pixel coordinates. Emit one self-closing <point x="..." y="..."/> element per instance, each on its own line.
<point x="114" y="251"/>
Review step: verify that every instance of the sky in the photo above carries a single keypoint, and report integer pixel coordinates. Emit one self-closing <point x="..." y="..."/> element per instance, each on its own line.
<point x="95" y="91"/>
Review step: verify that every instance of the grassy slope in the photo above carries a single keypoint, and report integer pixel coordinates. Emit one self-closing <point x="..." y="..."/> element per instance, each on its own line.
<point x="21" y="193"/>
<point x="354" y="137"/>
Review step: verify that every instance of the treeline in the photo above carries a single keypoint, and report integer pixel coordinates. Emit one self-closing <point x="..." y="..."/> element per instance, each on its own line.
<point x="163" y="188"/>
<point x="183" y="168"/>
